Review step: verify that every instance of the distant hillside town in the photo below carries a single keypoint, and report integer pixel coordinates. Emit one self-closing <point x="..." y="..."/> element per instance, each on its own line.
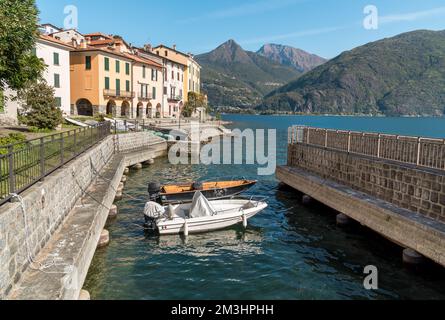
<point x="96" y="73"/>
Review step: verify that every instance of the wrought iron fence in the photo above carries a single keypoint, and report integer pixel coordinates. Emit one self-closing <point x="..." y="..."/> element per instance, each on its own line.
<point x="426" y="152"/>
<point x="24" y="164"/>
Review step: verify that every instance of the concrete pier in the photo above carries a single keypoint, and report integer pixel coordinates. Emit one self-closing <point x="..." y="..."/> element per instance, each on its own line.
<point x="412" y="257"/>
<point x="113" y="212"/>
<point x="137" y="166"/>
<point x="392" y="185"/>
<point x="104" y="239"/>
<point x="343" y="220"/>
<point x="84" y="295"/>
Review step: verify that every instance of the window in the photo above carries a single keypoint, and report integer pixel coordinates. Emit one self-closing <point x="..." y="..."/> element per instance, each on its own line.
<point x="165" y="90"/>
<point x="56" y="59"/>
<point x="179" y="77"/>
<point x="118" y="66"/>
<point x="58" y="102"/>
<point x="56" y="80"/>
<point x="118" y="87"/>
<point x="166" y="53"/>
<point x="34" y="51"/>
<point x="180" y="93"/>
<point x="88" y="62"/>
<point x="127" y="69"/>
<point x="144" y="71"/>
<point x="154" y="93"/>
<point x="127" y="86"/>
<point x="173" y="75"/>
<point x="107" y="83"/>
<point x="165" y="76"/>
<point x="107" y="64"/>
<point x="153" y="75"/>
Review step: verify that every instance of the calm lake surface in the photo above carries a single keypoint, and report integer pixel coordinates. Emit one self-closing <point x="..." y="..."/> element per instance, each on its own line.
<point x="289" y="251"/>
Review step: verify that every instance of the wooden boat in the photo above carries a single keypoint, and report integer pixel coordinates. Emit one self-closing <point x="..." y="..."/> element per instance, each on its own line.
<point x="201" y="215"/>
<point x="183" y="193"/>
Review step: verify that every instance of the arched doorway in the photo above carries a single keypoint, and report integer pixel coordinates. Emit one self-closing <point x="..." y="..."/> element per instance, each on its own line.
<point x="84" y="108"/>
<point x="158" y="111"/>
<point x="125" y="109"/>
<point x="149" y="110"/>
<point x="111" y="108"/>
<point x="140" y="110"/>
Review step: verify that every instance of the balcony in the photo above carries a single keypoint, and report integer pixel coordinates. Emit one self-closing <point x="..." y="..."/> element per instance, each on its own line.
<point x="118" y="94"/>
<point x="175" y="98"/>
<point x="145" y="95"/>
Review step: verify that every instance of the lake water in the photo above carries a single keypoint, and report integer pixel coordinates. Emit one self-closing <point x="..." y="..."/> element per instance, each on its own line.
<point x="289" y="251"/>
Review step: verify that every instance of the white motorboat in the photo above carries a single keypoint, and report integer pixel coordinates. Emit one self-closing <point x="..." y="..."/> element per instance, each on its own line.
<point x="201" y="215"/>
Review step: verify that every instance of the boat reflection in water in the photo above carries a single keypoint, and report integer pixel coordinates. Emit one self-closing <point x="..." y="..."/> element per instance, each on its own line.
<point x="237" y="241"/>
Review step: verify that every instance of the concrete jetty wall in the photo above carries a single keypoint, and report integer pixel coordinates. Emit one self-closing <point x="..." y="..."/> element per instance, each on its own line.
<point x="420" y="190"/>
<point x="48" y="205"/>
<point x="391" y="184"/>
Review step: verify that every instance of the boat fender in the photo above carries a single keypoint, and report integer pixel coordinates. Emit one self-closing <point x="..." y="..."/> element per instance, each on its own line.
<point x="245" y="220"/>
<point x="186" y="228"/>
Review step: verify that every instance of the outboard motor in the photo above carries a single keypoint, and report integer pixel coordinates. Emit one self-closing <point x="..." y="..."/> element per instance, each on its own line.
<point x="198" y="186"/>
<point x="154" y="191"/>
<point x="152" y="212"/>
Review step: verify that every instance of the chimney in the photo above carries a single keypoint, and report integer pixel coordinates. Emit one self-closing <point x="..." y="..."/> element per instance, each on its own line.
<point x="147" y="47"/>
<point x="83" y="44"/>
<point x="174" y="47"/>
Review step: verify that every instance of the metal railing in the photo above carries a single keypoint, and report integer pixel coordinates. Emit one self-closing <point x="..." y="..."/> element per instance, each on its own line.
<point x="118" y="93"/>
<point x="425" y="152"/>
<point x="24" y="164"/>
<point x="145" y="95"/>
<point x="175" y="97"/>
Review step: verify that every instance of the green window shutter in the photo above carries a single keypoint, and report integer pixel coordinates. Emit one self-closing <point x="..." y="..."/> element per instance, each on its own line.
<point x="118" y="87"/>
<point x="127" y="86"/>
<point x="58" y="102"/>
<point x="56" y="80"/>
<point x="107" y="64"/>
<point x="118" y="66"/>
<point x="88" y="62"/>
<point x="127" y="69"/>
<point x="154" y="93"/>
<point x="107" y="83"/>
<point x="56" y="59"/>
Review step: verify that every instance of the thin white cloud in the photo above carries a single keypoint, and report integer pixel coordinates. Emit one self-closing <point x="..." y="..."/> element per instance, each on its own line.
<point x="297" y="34"/>
<point x="412" y="16"/>
<point x="247" y="9"/>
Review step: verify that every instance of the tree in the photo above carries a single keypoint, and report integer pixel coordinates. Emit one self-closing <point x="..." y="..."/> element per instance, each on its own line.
<point x="18" y="34"/>
<point x="39" y="107"/>
<point x="195" y="101"/>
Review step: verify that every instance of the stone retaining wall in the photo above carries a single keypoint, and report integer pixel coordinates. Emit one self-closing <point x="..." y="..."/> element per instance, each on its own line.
<point x="420" y="190"/>
<point x="48" y="203"/>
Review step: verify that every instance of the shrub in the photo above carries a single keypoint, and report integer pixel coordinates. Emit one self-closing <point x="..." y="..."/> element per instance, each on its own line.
<point x="12" y="138"/>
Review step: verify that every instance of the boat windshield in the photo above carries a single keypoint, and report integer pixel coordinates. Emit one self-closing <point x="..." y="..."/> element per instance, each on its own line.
<point x="201" y="207"/>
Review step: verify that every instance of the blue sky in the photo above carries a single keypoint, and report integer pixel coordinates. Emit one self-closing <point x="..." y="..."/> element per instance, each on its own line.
<point x="323" y="27"/>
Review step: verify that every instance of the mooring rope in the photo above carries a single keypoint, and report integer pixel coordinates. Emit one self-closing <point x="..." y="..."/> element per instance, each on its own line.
<point x="30" y="255"/>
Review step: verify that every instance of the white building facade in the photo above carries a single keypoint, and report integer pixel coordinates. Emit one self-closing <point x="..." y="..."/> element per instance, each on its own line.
<point x="173" y="88"/>
<point x="56" y="56"/>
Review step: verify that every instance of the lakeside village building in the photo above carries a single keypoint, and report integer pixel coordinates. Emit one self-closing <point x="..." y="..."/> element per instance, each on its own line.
<point x="101" y="74"/>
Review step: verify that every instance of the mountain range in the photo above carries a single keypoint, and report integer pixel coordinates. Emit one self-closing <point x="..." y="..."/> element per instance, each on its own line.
<point x="232" y="76"/>
<point x="402" y="75"/>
